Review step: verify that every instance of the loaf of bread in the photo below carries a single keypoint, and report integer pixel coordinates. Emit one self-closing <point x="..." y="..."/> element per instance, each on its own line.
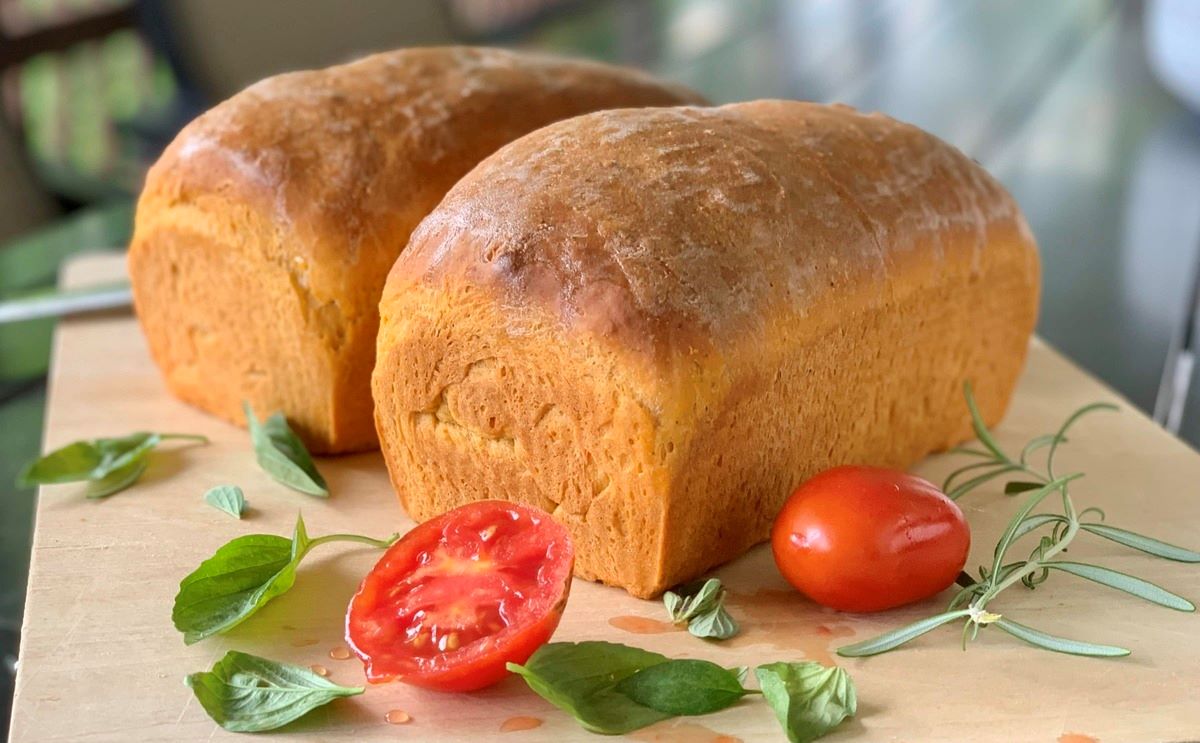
<point x="266" y="230"/>
<point x="656" y="323"/>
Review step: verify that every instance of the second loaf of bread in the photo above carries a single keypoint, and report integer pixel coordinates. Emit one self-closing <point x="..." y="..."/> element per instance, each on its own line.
<point x="656" y="323"/>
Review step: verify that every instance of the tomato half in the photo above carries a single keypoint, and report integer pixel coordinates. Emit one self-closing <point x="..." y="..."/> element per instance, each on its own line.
<point x="461" y="595"/>
<point x="867" y="539"/>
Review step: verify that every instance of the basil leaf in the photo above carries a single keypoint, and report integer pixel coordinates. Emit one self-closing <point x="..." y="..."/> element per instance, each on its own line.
<point x="111" y="464"/>
<point x="247" y="694"/>
<point x="282" y="455"/>
<point x="71" y="463"/>
<point x="118" y="453"/>
<point x="234" y="583"/>
<point x="715" y="625"/>
<point x="581" y="678"/>
<point x="243" y="576"/>
<point x="684" y="687"/>
<point x="808" y="698"/>
<point x="117" y="480"/>
<point x="227" y="498"/>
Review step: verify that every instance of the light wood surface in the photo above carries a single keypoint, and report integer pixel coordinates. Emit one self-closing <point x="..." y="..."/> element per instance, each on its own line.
<point x="101" y="662"/>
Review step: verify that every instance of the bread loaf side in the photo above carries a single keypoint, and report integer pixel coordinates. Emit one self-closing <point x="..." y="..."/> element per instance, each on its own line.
<point x="266" y="230"/>
<point x="656" y="323"/>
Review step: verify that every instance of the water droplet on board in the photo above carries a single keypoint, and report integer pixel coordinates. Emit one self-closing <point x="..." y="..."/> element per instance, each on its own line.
<point x="676" y="731"/>
<point x="397" y="717"/>
<point x="341" y="652"/>
<point x="786" y="621"/>
<point x="642" y="625"/>
<point x="319" y="670"/>
<point x="513" y="724"/>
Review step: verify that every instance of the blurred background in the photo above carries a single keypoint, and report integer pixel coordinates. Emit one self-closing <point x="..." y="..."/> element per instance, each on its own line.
<point x="1086" y="109"/>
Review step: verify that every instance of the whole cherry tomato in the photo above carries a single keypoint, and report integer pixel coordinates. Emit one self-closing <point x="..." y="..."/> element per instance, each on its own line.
<point x="866" y="539"/>
<point x="461" y="595"/>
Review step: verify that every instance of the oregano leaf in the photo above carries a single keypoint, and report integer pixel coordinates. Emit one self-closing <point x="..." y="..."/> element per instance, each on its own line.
<point x="227" y="498"/>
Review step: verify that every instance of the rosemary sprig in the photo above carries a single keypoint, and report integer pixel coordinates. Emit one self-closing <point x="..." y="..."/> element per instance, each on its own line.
<point x="1055" y="529"/>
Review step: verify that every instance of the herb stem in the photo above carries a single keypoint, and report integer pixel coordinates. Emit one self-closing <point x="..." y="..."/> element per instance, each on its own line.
<point x="185" y="437"/>
<point x="1031" y="566"/>
<point x="380" y="543"/>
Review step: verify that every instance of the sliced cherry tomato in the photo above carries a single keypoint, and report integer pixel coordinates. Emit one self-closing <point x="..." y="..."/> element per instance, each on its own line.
<point x="867" y="539"/>
<point x="461" y="595"/>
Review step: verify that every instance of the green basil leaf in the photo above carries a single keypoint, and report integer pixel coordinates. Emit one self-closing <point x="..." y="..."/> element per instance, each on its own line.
<point x="233" y="584"/>
<point x="808" y="698"/>
<point x="282" y="455"/>
<point x="227" y="498"/>
<point x="106" y="462"/>
<point x="247" y="694"/>
<point x="117" y="480"/>
<point x="71" y="463"/>
<point x="243" y="576"/>
<point x="715" y="625"/>
<point x="683" y="687"/>
<point x="118" y="453"/>
<point x="580" y="678"/>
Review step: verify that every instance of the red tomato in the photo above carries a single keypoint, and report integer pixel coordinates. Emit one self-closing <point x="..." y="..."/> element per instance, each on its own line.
<point x="461" y="595"/>
<point x="867" y="539"/>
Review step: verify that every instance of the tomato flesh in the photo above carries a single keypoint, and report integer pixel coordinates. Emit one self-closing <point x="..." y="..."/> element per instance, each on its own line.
<point x="461" y="595"/>
<point x="866" y="539"/>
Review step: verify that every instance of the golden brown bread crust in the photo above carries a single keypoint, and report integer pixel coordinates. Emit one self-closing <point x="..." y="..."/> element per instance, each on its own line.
<point x="266" y="230"/>
<point x="657" y="323"/>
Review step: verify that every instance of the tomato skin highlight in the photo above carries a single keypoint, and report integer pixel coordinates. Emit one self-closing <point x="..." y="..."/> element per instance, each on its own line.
<point x="864" y="539"/>
<point x="461" y="595"/>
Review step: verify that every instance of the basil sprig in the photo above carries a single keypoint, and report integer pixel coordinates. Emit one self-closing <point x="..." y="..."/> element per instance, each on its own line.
<point x="247" y="694"/>
<point x="1055" y="529"/>
<point x="243" y="576"/>
<point x="615" y="689"/>
<point x="701" y="605"/>
<point x="108" y="465"/>
<point x="808" y="698"/>
<point x="227" y="498"/>
<point x="281" y="453"/>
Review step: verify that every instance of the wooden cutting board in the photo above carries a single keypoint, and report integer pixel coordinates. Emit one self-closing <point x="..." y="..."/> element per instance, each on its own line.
<point x="101" y="661"/>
